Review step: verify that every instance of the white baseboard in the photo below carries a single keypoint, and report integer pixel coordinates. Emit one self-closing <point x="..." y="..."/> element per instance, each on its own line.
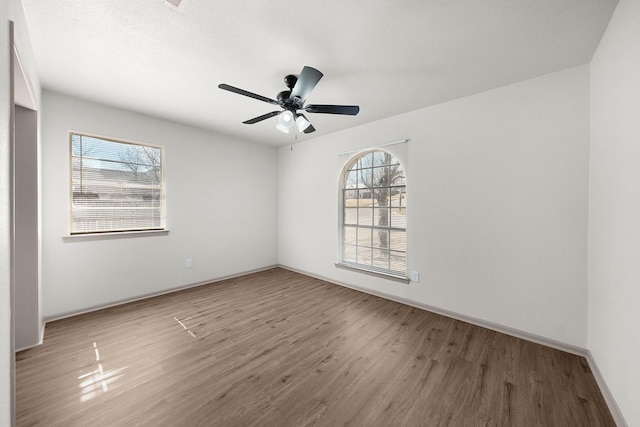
<point x="40" y="341"/>
<point x="139" y="298"/>
<point x="155" y="294"/>
<point x="548" y="342"/>
<point x="606" y="393"/>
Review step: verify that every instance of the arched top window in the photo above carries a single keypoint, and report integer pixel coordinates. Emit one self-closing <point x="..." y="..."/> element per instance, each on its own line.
<point x="374" y="214"/>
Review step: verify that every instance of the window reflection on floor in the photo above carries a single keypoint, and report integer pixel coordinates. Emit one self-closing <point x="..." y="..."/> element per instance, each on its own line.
<point x="182" y="323"/>
<point x="96" y="382"/>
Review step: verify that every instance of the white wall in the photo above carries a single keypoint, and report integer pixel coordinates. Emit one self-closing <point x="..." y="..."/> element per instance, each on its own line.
<point x="497" y="214"/>
<point x="26" y="295"/>
<point x="221" y="210"/>
<point x="614" y="214"/>
<point x="6" y="346"/>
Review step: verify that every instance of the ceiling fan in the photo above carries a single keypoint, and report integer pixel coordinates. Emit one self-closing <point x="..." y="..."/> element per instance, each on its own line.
<point x="292" y="100"/>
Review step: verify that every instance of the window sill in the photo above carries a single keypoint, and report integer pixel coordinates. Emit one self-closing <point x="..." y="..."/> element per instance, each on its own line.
<point x="359" y="269"/>
<point x="114" y="235"/>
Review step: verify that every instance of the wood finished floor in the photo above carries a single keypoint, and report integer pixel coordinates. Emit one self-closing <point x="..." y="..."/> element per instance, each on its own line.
<point x="277" y="348"/>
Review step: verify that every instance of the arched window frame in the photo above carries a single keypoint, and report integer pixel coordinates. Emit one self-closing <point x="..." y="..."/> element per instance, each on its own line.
<point x="370" y="243"/>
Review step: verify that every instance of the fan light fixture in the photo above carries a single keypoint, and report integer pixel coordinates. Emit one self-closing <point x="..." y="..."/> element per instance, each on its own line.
<point x="285" y="121"/>
<point x="302" y="123"/>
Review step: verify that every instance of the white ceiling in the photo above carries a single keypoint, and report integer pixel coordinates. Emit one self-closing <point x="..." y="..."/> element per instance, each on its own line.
<point x="388" y="57"/>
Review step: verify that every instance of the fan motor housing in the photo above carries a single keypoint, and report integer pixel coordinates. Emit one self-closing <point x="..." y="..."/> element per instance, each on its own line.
<point x="284" y="98"/>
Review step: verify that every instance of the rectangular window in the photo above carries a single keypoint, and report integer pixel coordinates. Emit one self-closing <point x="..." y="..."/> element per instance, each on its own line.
<point x="116" y="186"/>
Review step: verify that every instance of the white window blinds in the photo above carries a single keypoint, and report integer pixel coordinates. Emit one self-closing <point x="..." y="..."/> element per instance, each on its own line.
<point x="115" y="186"/>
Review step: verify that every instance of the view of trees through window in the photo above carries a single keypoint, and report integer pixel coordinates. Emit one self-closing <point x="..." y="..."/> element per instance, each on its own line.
<point x="374" y="214"/>
<point x="116" y="186"/>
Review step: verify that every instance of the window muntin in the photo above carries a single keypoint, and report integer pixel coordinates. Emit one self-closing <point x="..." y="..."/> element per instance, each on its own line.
<point x="374" y="209"/>
<point x="116" y="186"/>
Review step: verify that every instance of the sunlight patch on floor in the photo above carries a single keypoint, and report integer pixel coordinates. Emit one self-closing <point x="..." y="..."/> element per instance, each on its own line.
<point x="96" y="382"/>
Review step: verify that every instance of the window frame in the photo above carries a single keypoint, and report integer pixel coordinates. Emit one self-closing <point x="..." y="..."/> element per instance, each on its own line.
<point x="342" y="187"/>
<point x="132" y="232"/>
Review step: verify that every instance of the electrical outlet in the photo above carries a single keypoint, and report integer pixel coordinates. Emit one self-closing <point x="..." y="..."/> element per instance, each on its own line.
<point x="415" y="276"/>
<point x="188" y="263"/>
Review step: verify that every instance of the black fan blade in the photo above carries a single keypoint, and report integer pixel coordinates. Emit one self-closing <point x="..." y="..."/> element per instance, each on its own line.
<point x="307" y="80"/>
<point x="261" y="118"/>
<point x="247" y="93"/>
<point x="350" y="110"/>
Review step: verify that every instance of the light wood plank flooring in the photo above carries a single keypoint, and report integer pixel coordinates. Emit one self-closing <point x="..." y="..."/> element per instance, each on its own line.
<point x="277" y="348"/>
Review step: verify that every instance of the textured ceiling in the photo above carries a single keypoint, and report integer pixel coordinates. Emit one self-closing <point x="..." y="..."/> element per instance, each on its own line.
<point x="388" y="57"/>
